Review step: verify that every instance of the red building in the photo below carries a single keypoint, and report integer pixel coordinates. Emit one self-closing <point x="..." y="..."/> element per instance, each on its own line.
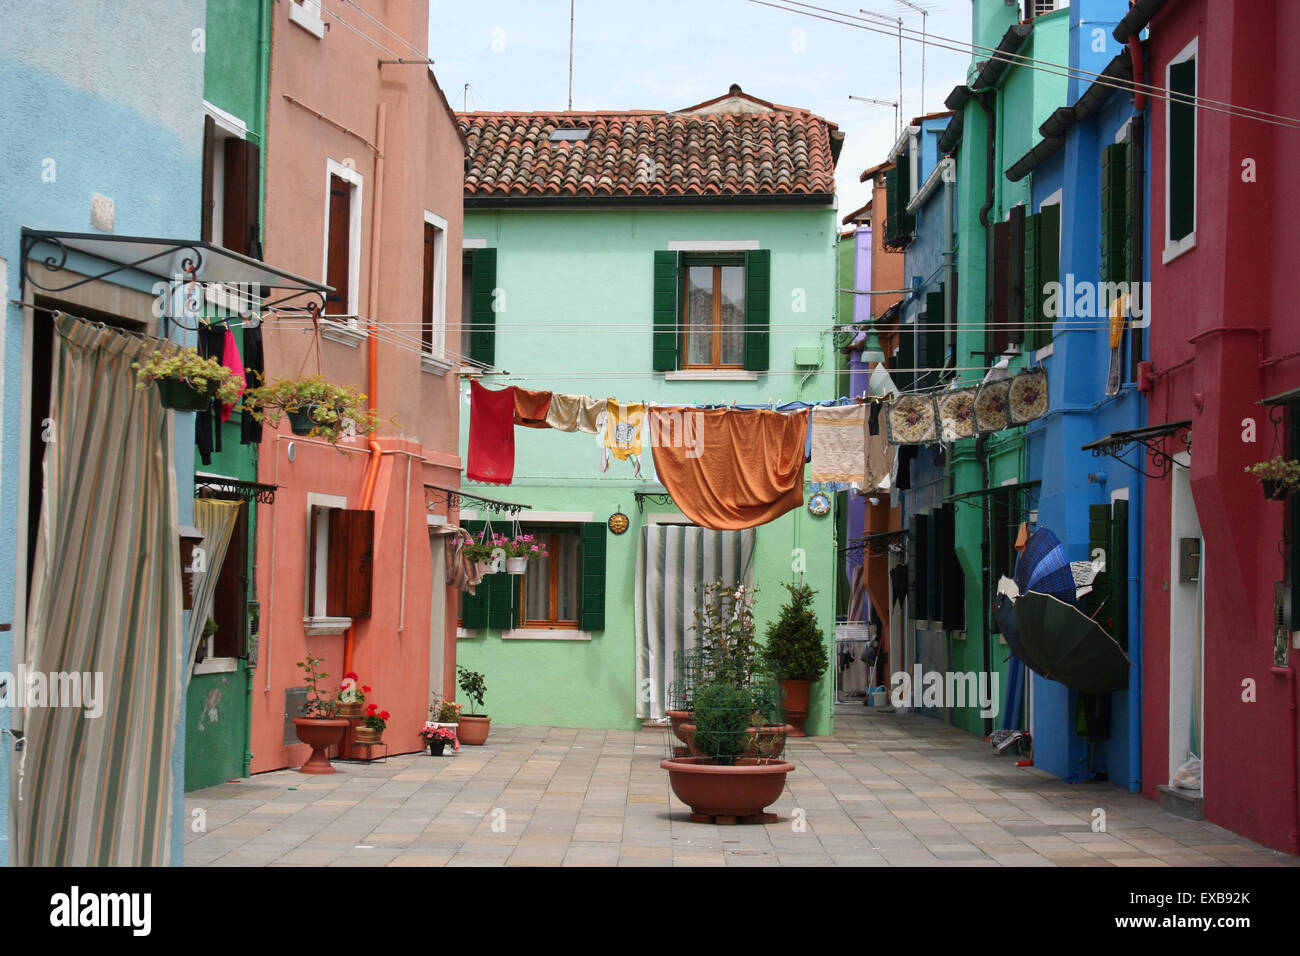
<point x="1220" y="575"/>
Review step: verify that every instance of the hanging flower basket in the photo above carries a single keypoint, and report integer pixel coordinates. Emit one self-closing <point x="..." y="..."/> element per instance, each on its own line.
<point x="181" y="397"/>
<point x="300" y="421"/>
<point x="1279" y="477"/>
<point x="516" y="565"/>
<point x="1275" y="489"/>
<point x="187" y="382"/>
<point x="314" y="407"/>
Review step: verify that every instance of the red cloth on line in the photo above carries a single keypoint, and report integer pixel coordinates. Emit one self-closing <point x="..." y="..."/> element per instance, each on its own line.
<point x="491" y="455"/>
<point x="231" y="360"/>
<point x="743" y="467"/>
<point x="531" y="408"/>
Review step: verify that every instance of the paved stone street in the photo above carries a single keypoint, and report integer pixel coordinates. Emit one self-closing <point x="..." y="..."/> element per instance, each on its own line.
<point x="885" y="790"/>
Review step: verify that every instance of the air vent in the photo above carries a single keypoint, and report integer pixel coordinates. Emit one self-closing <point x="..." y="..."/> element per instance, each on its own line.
<point x="569" y="135"/>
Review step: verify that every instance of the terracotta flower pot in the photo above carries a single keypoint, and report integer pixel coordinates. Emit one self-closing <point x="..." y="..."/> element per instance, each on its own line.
<point x="768" y="740"/>
<point x="675" y="720"/>
<point x="797" y="694"/>
<point x="688" y="737"/>
<point x="350" y="710"/>
<point x="319" y="735"/>
<point x="364" y="735"/>
<point x="473" y="730"/>
<point x="720" y="794"/>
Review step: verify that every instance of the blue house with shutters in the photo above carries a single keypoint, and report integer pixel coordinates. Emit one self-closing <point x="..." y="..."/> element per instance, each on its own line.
<point x="1088" y="213"/>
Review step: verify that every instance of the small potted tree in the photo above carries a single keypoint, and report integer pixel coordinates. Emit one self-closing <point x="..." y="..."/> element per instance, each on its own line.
<point x="796" y="652"/>
<point x="316" y="408"/>
<point x="1279" y="477"/>
<point x="319" y="727"/>
<point x="474" y="726"/>
<point x="187" y="382"/>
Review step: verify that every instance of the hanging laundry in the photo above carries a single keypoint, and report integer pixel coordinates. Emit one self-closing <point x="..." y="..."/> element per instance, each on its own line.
<point x="491" y="455"/>
<point x="531" y="408"/>
<point x="250" y="431"/>
<point x="878" y="454"/>
<point x="462" y="573"/>
<point x="623" y="433"/>
<point x="1027" y="397"/>
<point x="746" y="470"/>
<point x="231" y="360"/>
<point x="956" y="413"/>
<point x="207" y="428"/>
<point x="912" y="420"/>
<point x="837" y="445"/>
<point x="574" y="413"/>
<point x="1022" y="537"/>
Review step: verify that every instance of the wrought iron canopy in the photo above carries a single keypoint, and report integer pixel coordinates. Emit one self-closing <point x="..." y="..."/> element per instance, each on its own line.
<point x="1157" y="440"/>
<point x="230" y="489"/>
<point x="458" y="497"/>
<point x="1023" y="490"/>
<point x="882" y="542"/>
<point x="654" y="497"/>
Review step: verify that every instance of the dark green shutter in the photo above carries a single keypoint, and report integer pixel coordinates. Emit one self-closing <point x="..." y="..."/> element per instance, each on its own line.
<point x="1049" y="270"/>
<point x="934" y="576"/>
<point x="1100" y="604"/>
<point x="1033" y="281"/>
<point x="483" y="282"/>
<point x="502" y="597"/>
<point x="1182" y="151"/>
<point x="1117" y="566"/>
<point x="591" y="606"/>
<point x="924" y="559"/>
<point x="954" y="579"/>
<point x="1114" y="213"/>
<point x="474" y="607"/>
<point x="904" y="376"/>
<point x="1015" y="308"/>
<point x="891" y="200"/>
<point x="932" y="350"/>
<point x="758" y="308"/>
<point x="666" y="317"/>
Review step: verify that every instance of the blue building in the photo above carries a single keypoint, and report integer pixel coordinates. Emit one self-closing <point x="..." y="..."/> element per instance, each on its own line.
<point x="1088" y="194"/>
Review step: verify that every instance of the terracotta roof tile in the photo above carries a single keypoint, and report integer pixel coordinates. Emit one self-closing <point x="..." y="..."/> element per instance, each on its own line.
<point x="759" y="149"/>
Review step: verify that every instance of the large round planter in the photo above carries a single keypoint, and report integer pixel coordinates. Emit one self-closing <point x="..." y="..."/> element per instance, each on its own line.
<point x="735" y="794"/>
<point x="516" y="565"/>
<point x="797" y="694"/>
<point x="768" y="740"/>
<point x="473" y="731"/>
<point x="180" y="397"/>
<point x="319" y="735"/>
<point x="436" y="747"/>
<point x="675" y="720"/>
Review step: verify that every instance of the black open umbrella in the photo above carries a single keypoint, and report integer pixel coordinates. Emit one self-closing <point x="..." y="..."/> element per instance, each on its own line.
<point x="1068" y="646"/>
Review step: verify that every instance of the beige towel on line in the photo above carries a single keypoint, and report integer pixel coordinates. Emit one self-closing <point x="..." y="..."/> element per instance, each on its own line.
<point x="575" y="413"/>
<point x="838" y="450"/>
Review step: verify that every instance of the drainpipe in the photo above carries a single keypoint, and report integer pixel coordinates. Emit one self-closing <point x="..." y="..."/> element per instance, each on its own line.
<point x="949" y="257"/>
<point x="1139" y="72"/>
<point x="1293" y="839"/>
<point x="986" y="575"/>
<point x="372" y="343"/>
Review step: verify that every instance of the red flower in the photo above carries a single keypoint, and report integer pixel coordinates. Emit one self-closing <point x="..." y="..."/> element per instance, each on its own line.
<point x="350" y="676"/>
<point x="365" y="689"/>
<point x="384" y="715"/>
<point x="372" y="708"/>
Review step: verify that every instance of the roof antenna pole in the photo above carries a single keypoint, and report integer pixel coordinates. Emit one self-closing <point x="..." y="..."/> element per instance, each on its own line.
<point x="925" y="16"/>
<point x="571" y="55"/>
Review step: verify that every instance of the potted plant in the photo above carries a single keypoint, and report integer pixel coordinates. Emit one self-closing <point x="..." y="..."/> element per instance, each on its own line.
<point x="1279" y="477"/>
<point x="796" y="651"/>
<point x="319" y="727"/>
<point x="351" y="696"/>
<point x="519" y="551"/>
<point x="474" y="726"/>
<point x="479" y="550"/>
<point x="436" y="736"/>
<point x="444" y="712"/>
<point x="372" y="725"/>
<point x="186" y="380"/>
<point x="315" y="407"/>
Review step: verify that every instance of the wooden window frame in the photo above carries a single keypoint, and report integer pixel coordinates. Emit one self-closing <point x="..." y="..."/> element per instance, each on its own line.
<point x="717" y="262"/>
<point x="355" y="180"/>
<point x="553" y="602"/>
<point x="433" y="317"/>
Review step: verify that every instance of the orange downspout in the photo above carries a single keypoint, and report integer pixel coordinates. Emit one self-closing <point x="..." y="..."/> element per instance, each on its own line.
<point x="372" y="344"/>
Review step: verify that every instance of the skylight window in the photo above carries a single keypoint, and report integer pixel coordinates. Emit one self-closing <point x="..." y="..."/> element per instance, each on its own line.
<point x="569" y="135"/>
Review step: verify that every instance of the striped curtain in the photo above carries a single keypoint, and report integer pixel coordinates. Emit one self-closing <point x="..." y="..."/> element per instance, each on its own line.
<point x="672" y="562"/>
<point x="216" y="519"/>
<point x="106" y="599"/>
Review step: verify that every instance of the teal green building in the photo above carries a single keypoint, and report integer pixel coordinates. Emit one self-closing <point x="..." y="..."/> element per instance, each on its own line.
<point x="684" y="258"/>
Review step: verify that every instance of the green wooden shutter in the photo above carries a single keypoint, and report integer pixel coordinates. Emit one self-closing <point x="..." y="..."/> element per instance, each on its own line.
<point x="1015" y="308"/>
<point x="1100" y="604"/>
<point x="758" y="308"/>
<point x="905" y="377"/>
<point x="1114" y="213"/>
<point x="591" y="606"/>
<point x="483" y="282"/>
<point x="954" y="579"/>
<point x="1049" y="268"/>
<point x="665" y="313"/>
<point x="1117" y="566"/>
<point x="924" y="557"/>
<point x="502" y="591"/>
<point x="996" y="334"/>
<point x="932" y="351"/>
<point x="474" y="607"/>
<point x="1181" y="175"/>
<point x="891" y="200"/>
<point x="1033" y="281"/>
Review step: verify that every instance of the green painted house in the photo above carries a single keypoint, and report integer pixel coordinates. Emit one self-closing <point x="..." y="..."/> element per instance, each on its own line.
<point x="237" y="41"/>
<point x="680" y="258"/>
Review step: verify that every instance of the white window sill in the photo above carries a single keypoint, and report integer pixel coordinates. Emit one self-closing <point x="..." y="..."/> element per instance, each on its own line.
<point x="1044" y="352"/>
<point x="545" y="634"/>
<point x="216" y="665"/>
<point x="344" y="334"/>
<point x="434" y="365"/>
<point x="307" y="20"/>
<point x="323" y="626"/>
<point x="464" y="635"/>
<point x="711" y="375"/>
<point x="1175" y="249"/>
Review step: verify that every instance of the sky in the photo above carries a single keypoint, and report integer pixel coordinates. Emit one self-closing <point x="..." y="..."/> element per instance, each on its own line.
<point x="670" y="54"/>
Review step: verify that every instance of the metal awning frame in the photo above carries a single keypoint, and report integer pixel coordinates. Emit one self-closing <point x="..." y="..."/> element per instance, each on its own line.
<point x="882" y="542"/>
<point x="458" y="498"/>
<point x="1157" y="441"/>
<point x="231" y="489"/>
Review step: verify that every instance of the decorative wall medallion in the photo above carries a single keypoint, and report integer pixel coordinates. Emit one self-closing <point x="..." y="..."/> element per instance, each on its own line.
<point x="819" y="504"/>
<point x="618" y="522"/>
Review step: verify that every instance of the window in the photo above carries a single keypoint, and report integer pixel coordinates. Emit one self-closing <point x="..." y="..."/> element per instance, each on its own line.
<point x="342" y="241"/>
<point x="1036" y="8"/>
<point x="433" y="319"/>
<point x="477" y="305"/>
<point x="1042" y="260"/>
<point x="711" y="310"/>
<point x="340" y="560"/>
<point x="1180" y="154"/>
<point x="231" y="174"/>
<point x="307" y="14"/>
<point x="899" y="223"/>
<point x="552" y="585"/>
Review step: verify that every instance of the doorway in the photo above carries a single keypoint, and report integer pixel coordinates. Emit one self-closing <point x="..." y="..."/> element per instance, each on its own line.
<point x="438" y="613"/>
<point x="1186" y="624"/>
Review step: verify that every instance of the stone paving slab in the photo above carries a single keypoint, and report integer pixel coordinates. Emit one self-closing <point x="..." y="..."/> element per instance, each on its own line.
<point x="885" y="790"/>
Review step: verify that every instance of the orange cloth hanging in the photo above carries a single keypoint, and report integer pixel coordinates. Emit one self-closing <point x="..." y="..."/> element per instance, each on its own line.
<point x="744" y="468"/>
<point x="531" y="408"/>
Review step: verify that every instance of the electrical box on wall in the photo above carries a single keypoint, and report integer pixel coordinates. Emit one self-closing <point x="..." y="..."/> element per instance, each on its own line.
<point x="807" y="356"/>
